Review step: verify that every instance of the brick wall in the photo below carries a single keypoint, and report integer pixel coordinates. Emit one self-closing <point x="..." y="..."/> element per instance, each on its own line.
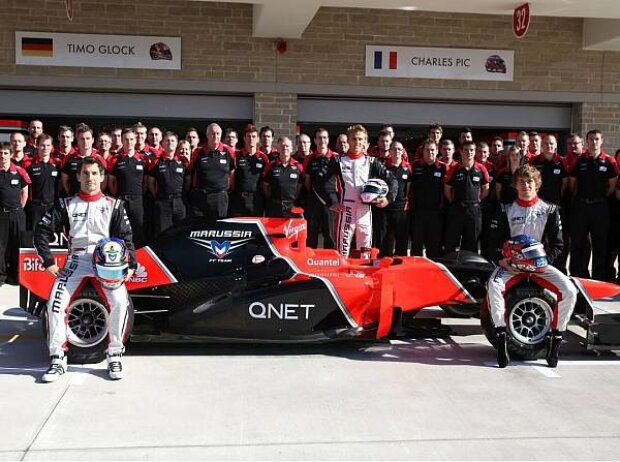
<point x="602" y="116"/>
<point x="278" y="110"/>
<point x="217" y="45"/>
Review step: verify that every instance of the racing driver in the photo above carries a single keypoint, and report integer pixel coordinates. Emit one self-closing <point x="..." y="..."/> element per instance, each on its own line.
<point x="349" y="173"/>
<point x="86" y="218"/>
<point x="531" y="216"/>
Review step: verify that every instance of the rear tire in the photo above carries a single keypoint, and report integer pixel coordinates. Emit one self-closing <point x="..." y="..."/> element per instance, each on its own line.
<point x="87" y="330"/>
<point x="529" y="314"/>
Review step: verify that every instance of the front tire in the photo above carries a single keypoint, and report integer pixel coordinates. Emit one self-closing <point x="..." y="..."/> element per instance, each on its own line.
<point x="529" y="316"/>
<point x="88" y="326"/>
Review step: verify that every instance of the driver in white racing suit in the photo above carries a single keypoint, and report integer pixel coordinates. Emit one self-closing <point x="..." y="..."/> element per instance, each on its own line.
<point x="529" y="215"/>
<point x="349" y="173"/>
<point x="86" y="218"/>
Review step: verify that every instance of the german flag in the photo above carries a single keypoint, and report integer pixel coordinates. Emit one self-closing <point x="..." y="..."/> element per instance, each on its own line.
<point x="37" y="47"/>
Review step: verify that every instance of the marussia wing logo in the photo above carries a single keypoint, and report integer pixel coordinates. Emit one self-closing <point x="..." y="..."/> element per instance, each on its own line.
<point x="220" y="249"/>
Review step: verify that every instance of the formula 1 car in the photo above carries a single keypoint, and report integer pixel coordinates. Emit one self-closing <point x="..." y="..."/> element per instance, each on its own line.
<point x="254" y="280"/>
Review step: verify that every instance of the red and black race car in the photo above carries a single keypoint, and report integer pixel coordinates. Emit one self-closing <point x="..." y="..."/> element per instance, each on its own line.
<point x="250" y="279"/>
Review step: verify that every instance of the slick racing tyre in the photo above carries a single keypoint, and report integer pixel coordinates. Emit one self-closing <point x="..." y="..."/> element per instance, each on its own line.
<point x="529" y="314"/>
<point x="87" y="327"/>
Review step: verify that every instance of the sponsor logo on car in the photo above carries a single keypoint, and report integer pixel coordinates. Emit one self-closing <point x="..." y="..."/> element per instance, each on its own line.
<point x="327" y="262"/>
<point x="141" y="275"/>
<point x="284" y="311"/>
<point x="293" y="231"/>
<point x="220" y="248"/>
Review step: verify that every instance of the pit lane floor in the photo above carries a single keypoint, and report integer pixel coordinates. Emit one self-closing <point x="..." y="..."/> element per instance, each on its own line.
<point x="427" y="398"/>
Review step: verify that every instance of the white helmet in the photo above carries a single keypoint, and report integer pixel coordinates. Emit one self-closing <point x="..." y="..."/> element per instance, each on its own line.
<point x="374" y="189"/>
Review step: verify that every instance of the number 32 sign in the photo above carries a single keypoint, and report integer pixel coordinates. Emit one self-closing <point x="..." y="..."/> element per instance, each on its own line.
<point x="521" y="20"/>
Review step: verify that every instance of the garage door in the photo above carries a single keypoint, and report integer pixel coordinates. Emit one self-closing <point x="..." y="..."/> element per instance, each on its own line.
<point x="490" y="115"/>
<point x="52" y="103"/>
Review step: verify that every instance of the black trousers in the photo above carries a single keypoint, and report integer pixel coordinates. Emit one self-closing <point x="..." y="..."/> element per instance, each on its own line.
<point x="613" y="248"/>
<point x="168" y="212"/>
<point x="562" y="260"/>
<point x="148" y="205"/>
<point x="489" y="212"/>
<point x="379" y="226"/>
<point x="321" y="220"/>
<point x="34" y="213"/>
<point x="463" y="225"/>
<point x="396" y="239"/>
<point x="589" y="219"/>
<point x="211" y="205"/>
<point x="278" y="208"/>
<point x="426" y="231"/>
<point x="247" y="204"/>
<point x="134" y="206"/>
<point x="12" y="225"/>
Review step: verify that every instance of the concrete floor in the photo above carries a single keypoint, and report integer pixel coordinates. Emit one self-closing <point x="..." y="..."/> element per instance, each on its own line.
<point x="434" y="398"/>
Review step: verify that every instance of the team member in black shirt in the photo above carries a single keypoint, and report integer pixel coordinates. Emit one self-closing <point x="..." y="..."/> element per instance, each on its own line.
<point x="45" y="176"/>
<point x="427" y="186"/>
<point x="396" y="239"/>
<point x="247" y="197"/>
<point x="127" y="182"/>
<point x="465" y="186"/>
<point x="212" y="169"/>
<point x="14" y="183"/>
<point x="168" y="178"/>
<point x="552" y="170"/>
<point x="592" y="179"/>
<point x="321" y="220"/>
<point x="282" y="181"/>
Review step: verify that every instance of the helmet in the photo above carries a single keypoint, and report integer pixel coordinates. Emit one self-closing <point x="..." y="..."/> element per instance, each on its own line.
<point x="374" y="189"/>
<point x="159" y="51"/>
<point x="111" y="262"/>
<point x="525" y="253"/>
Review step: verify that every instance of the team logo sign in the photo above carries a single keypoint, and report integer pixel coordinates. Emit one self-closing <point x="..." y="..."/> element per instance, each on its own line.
<point x="221" y="248"/>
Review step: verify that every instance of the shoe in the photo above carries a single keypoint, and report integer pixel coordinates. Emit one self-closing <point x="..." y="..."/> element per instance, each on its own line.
<point x="57" y="368"/>
<point x="553" y="353"/>
<point x="503" y="359"/>
<point x="115" y="368"/>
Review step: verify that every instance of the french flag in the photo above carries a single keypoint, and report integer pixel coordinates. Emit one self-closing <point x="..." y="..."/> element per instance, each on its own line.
<point x="392" y="60"/>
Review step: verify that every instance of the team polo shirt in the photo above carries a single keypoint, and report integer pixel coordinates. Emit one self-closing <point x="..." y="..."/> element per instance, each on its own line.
<point x="492" y="171"/>
<point x="508" y="194"/>
<point x="169" y="176"/>
<point x="467" y="183"/>
<point x="60" y="156"/>
<point x="71" y="165"/>
<point x="427" y="185"/>
<point x="317" y="168"/>
<point x="30" y="149"/>
<point x="284" y="179"/>
<point x="552" y="172"/>
<point x="148" y="154"/>
<point x="592" y="174"/>
<point x="249" y="170"/>
<point x="272" y="155"/>
<point x="24" y="162"/>
<point x="45" y="177"/>
<point x="210" y="168"/>
<point x="402" y="174"/>
<point x="12" y="181"/>
<point x="129" y="173"/>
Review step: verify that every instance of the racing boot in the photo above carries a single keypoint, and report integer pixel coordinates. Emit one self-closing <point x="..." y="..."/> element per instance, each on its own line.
<point x="57" y="368"/>
<point x="115" y="368"/>
<point x="553" y="353"/>
<point x="501" y="336"/>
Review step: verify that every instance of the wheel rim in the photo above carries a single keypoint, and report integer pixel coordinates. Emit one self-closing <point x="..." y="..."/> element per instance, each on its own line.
<point x="87" y="322"/>
<point x="529" y="320"/>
